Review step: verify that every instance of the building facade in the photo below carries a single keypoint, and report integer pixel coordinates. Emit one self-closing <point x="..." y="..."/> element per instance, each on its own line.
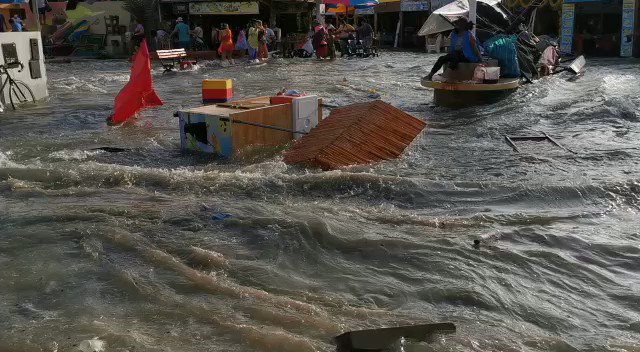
<point x="600" y="28"/>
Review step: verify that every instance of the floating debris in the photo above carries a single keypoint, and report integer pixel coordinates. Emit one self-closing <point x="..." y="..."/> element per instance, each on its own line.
<point x="356" y="134"/>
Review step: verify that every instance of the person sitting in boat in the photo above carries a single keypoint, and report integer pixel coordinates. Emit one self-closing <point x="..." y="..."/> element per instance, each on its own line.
<point x="464" y="48"/>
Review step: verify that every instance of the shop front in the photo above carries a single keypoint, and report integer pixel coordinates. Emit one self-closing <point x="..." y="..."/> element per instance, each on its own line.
<point x="387" y="17"/>
<point x="598" y="28"/>
<point x="414" y="14"/>
<point x="208" y="14"/>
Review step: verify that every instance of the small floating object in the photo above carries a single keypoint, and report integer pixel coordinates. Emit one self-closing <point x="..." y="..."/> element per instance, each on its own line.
<point x="356" y="134"/>
<point x="373" y="94"/>
<point x="543" y="138"/>
<point x="220" y="216"/>
<point x="384" y="339"/>
<point x="226" y="128"/>
<point x="215" y="91"/>
<point x="112" y="149"/>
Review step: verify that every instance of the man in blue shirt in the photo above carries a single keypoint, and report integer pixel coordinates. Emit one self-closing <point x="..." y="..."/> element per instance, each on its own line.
<point x="182" y="30"/>
<point x="15" y="26"/>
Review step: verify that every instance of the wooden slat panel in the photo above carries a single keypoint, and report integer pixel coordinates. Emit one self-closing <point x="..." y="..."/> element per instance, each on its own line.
<point x="356" y="134"/>
<point x="171" y="54"/>
<point x="276" y="115"/>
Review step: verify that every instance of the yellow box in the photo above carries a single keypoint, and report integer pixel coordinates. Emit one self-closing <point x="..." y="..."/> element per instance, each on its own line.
<point x="217" y="84"/>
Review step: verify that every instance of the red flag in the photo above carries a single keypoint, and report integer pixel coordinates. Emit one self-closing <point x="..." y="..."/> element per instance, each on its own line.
<point x="138" y="93"/>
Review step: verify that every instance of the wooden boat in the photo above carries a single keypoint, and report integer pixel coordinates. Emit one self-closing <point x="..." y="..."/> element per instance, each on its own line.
<point x="455" y="89"/>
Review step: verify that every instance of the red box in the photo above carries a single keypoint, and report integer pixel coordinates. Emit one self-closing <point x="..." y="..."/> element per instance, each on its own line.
<point x="281" y="99"/>
<point x="208" y="94"/>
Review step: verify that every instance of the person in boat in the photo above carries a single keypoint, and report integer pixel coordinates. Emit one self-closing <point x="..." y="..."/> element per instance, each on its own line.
<point x="464" y="48"/>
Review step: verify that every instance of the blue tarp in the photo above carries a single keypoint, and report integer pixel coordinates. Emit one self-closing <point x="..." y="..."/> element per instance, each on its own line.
<point x="12" y="1"/>
<point x="503" y="48"/>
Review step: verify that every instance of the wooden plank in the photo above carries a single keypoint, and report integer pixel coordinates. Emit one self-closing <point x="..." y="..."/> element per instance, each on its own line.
<point x="246" y="135"/>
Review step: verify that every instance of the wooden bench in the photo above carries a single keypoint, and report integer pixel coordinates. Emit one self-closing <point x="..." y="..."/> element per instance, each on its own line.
<point x="169" y="58"/>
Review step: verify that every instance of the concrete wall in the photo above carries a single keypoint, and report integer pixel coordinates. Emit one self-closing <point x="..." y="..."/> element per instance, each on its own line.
<point x="113" y="8"/>
<point x="38" y="86"/>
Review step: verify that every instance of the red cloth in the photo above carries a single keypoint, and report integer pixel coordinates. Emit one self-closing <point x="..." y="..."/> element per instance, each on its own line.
<point x="226" y="40"/>
<point x="138" y="93"/>
<point x="322" y="52"/>
<point x="263" y="51"/>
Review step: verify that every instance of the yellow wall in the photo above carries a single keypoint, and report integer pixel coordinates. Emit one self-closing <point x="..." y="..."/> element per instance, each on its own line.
<point x="113" y="8"/>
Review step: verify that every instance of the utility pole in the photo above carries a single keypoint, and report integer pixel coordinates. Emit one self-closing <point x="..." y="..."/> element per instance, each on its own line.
<point x="319" y="16"/>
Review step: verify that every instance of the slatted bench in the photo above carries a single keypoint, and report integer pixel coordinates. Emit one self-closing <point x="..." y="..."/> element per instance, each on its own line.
<point x="169" y="58"/>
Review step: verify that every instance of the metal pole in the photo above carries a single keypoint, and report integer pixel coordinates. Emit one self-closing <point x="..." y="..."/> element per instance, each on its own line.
<point x="473" y="6"/>
<point x="34" y="9"/>
<point x="319" y="16"/>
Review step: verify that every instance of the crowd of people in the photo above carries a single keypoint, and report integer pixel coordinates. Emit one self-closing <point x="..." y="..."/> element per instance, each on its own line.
<point x="255" y="40"/>
<point x="326" y="40"/>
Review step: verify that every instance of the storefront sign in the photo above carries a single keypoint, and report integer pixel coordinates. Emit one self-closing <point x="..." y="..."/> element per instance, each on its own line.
<point x="365" y="11"/>
<point x="568" y="22"/>
<point x="628" y="14"/>
<point x="436" y="4"/>
<point x="414" y="5"/>
<point x="180" y="8"/>
<point x="223" y="8"/>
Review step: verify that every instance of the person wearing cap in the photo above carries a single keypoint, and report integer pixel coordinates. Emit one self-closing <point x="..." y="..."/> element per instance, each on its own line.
<point x="464" y="48"/>
<point x="182" y="31"/>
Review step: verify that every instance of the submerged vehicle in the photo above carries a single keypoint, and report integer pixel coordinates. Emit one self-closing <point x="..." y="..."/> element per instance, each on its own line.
<point x="514" y="54"/>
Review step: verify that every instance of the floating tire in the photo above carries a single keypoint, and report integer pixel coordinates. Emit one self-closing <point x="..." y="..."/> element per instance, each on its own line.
<point x="20" y="93"/>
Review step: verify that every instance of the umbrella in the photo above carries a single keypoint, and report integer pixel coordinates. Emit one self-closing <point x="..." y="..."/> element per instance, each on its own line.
<point x="358" y="4"/>
<point x="441" y="19"/>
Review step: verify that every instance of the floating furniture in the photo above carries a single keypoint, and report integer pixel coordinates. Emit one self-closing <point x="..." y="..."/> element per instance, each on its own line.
<point x="224" y="129"/>
<point x="216" y="91"/>
<point x="356" y="134"/>
<point x="169" y="59"/>
<point x="305" y="111"/>
<point x="454" y="88"/>
<point x="511" y="140"/>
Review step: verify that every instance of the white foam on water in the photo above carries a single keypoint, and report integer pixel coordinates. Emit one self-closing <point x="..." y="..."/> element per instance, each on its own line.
<point x="74" y="154"/>
<point x="92" y="345"/>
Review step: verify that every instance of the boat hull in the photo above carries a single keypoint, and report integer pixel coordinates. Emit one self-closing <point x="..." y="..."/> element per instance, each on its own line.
<point x="458" y="95"/>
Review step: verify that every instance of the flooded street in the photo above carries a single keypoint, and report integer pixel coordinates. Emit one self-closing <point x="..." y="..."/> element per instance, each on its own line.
<point x="122" y="246"/>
